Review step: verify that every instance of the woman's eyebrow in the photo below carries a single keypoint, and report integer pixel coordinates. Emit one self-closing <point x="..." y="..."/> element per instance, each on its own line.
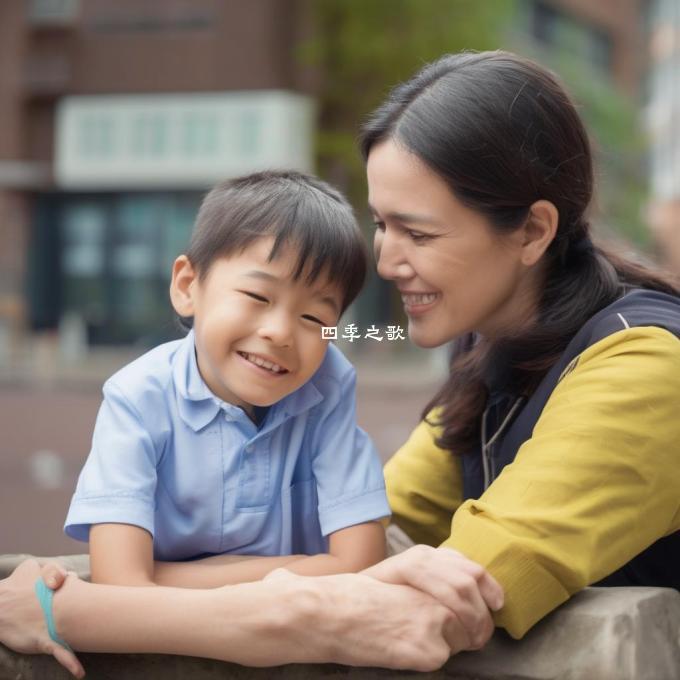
<point x="409" y="218"/>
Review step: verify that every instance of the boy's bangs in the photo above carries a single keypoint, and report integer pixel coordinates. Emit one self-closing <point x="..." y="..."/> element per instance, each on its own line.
<point x="327" y="244"/>
<point x="299" y="212"/>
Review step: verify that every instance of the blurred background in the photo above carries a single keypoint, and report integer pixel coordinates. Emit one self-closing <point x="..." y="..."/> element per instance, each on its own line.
<point x="117" y="115"/>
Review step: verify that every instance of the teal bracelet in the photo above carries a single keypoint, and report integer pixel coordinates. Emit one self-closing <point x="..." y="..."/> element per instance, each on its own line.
<point x="45" y="595"/>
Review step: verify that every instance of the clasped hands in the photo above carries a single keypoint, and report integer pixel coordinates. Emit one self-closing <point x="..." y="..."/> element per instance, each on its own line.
<point x="411" y="611"/>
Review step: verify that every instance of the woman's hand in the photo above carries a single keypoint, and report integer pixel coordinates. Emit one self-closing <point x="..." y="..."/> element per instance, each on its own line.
<point x="356" y="620"/>
<point x="460" y="584"/>
<point x="22" y="624"/>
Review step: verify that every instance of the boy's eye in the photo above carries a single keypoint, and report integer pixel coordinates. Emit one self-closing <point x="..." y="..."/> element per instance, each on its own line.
<point x="255" y="296"/>
<point x="315" y="319"/>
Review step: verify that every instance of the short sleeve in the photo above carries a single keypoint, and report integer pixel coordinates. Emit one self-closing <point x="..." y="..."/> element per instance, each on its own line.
<point x="118" y="481"/>
<point x="346" y="466"/>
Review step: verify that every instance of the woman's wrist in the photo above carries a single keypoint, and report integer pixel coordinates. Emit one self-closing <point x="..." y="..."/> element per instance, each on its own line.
<point x="304" y="616"/>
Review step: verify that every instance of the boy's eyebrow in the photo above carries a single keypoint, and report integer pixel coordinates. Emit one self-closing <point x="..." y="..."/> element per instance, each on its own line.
<point x="259" y="274"/>
<point x="409" y="218"/>
<point x="266" y="276"/>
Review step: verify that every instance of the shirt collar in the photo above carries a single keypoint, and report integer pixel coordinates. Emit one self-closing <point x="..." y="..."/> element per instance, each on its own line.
<point x="198" y="406"/>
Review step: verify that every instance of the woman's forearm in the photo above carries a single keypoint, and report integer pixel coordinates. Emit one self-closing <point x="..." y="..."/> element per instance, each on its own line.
<point x="251" y="624"/>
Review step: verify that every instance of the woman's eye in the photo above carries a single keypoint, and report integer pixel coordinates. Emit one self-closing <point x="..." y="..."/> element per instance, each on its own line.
<point x="309" y="317"/>
<point x="417" y="236"/>
<point x="378" y="225"/>
<point x="255" y="296"/>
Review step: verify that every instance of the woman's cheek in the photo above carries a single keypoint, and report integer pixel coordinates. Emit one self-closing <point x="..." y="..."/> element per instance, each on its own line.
<point x="377" y="244"/>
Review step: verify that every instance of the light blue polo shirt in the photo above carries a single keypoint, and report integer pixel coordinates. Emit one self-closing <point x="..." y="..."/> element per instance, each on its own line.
<point x="170" y="457"/>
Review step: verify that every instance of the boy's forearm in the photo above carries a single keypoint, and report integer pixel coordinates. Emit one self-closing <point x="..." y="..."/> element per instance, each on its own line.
<point x="320" y="565"/>
<point x="220" y="570"/>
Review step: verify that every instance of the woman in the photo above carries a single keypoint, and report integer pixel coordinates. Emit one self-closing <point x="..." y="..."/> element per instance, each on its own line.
<point x="549" y="457"/>
<point x="561" y="404"/>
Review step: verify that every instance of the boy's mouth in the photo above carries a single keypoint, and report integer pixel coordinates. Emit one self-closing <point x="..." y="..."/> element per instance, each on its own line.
<point x="263" y="363"/>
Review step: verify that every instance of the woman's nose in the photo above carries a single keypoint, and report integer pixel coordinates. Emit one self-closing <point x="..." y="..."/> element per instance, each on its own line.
<point x="391" y="259"/>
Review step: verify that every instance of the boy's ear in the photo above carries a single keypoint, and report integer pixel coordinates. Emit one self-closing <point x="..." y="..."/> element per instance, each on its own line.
<point x="182" y="286"/>
<point x="539" y="231"/>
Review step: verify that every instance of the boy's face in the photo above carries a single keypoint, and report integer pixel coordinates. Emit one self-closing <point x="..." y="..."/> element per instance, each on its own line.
<point x="257" y="331"/>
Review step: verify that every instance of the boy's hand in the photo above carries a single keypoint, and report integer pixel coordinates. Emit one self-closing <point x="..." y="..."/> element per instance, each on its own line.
<point x="457" y="582"/>
<point x="53" y="574"/>
<point x="22" y="624"/>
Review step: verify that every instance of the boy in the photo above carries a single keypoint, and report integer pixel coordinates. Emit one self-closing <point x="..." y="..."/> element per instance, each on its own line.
<point x="220" y="457"/>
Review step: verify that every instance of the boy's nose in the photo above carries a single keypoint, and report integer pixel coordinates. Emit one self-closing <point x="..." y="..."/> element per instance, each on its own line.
<point x="277" y="330"/>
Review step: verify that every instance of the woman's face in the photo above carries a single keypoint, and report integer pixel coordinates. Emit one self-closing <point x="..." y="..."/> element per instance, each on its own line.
<point x="454" y="272"/>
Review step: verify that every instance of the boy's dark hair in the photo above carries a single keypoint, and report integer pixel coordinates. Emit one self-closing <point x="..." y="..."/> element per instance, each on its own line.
<point x="502" y="132"/>
<point x="299" y="211"/>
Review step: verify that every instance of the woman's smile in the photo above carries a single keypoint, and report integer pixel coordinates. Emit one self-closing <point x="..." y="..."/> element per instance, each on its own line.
<point x="418" y="303"/>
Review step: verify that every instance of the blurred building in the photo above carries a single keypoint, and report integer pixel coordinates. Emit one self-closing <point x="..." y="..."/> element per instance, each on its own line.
<point x="117" y="115"/>
<point x="663" y="116"/>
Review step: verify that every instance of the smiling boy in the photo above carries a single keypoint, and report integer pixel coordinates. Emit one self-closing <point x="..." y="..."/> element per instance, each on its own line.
<point x="220" y="457"/>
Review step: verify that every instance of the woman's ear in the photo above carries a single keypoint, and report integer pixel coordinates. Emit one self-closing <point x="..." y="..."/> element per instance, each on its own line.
<point x="539" y="231"/>
<point x="182" y="286"/>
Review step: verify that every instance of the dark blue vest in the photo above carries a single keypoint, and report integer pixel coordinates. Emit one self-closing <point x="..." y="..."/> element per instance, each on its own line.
<point x="659" y="564"/>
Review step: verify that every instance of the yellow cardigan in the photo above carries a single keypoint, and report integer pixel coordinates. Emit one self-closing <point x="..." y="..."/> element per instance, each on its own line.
<point x="597" y="483"/>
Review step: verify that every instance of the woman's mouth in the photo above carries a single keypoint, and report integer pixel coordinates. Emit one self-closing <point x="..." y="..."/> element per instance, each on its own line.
<point x="415" y="303"/>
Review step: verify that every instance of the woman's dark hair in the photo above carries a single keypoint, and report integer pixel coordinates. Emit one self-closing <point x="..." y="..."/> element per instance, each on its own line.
<point x="503" y="133"/>
<point x="299" y="211"/>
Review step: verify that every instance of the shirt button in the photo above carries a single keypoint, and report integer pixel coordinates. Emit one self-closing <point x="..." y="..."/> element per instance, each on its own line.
<point x="228" y="417"/>
<point x="249" y="448"/>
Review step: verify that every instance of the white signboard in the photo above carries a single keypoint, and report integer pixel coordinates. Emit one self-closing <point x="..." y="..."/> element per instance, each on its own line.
<point x="179" y="141"/>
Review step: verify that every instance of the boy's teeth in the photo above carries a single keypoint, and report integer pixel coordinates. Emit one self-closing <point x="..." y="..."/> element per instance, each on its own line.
<point x="420" y="299"/>
<point x="259" y="361"/>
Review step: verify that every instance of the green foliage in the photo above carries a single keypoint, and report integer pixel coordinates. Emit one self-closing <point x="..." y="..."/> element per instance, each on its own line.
<point x="362" y="48"/>
<point x="619" y="145"/>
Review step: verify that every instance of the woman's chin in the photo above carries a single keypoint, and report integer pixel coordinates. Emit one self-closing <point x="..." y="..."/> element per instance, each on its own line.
<point x="421" y="337"/>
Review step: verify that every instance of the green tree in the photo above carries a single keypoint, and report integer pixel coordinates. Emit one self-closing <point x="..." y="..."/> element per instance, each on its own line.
<point x="362" y="48"/>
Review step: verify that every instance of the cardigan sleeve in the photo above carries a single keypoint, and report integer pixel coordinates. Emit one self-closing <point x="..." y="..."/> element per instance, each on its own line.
<point x="595" y="485"/>
<point x="424" y="487"/>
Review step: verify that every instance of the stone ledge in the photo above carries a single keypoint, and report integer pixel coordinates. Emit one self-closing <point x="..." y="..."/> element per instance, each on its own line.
<point x="600" y="634"/>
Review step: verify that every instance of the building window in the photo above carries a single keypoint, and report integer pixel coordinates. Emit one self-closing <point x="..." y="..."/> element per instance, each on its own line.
<point x="181" y="15"/>
<point x="116" y="253"/>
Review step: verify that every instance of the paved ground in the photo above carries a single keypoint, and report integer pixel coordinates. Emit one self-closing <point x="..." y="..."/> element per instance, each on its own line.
<point x="46" y="427"/>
